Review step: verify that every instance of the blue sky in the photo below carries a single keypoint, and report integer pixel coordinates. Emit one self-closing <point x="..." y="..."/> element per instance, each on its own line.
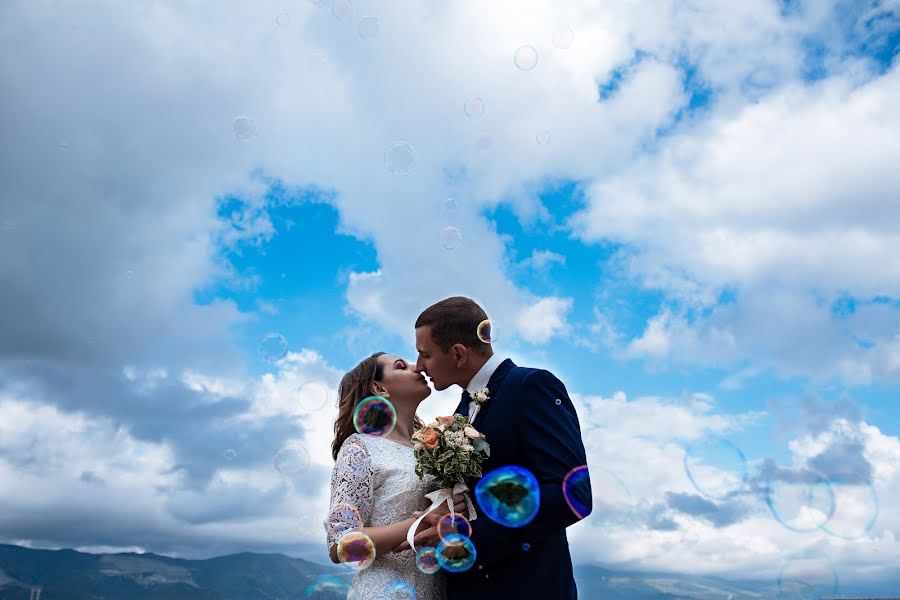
<point x="689" y="214"/>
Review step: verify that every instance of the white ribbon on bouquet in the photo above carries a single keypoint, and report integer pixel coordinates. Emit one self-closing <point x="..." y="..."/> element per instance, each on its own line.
<point x="437" y="498"/>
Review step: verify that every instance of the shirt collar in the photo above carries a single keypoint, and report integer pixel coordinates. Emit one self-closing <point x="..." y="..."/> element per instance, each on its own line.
<point x="480" y="381"/>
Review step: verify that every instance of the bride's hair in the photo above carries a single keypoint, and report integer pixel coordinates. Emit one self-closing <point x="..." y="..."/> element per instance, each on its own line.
<point x="356" y="387"/>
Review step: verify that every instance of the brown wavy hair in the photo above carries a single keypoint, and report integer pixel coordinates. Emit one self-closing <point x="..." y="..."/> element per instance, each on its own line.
<point x="354" y="388"/>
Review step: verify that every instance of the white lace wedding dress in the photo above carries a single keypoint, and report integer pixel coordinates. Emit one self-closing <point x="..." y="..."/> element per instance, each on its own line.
<point x="376" y="477"/>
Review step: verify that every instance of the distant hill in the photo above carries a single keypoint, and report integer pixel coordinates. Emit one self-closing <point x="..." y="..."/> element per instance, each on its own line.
<point x="71" y="575"/>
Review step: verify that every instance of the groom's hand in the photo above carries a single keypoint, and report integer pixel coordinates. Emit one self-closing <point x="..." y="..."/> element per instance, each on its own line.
<point x="432" y="518"/>
<point x="426" y="537"/>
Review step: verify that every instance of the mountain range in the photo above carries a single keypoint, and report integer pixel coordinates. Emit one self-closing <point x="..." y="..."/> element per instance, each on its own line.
<point x="29" y="574"/>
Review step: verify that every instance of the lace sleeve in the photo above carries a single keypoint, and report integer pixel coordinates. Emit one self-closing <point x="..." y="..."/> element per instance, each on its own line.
<point x="351" y="490"/>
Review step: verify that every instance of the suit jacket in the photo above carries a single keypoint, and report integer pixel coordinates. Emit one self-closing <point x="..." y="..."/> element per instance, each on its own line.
<point x="529" y="421"/>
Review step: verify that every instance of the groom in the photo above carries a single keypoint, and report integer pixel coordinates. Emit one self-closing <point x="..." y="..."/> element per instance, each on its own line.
<point x="529" y="421"/>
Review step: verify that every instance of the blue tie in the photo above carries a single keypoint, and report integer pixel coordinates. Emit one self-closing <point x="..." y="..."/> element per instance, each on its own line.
<point x="466" y="398"/>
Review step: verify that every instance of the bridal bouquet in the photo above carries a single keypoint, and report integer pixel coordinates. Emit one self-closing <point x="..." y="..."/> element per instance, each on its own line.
<point x="450" y="450"/>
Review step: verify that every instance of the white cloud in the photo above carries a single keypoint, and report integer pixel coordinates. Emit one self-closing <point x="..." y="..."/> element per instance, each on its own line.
<point x="544" y="319"/>
<point x="735" y="381"/>
<point x="544" y="259"/>
<point x="758" y="194"/>
<point x="636" y="457"/>
<point x="772" y="203"/>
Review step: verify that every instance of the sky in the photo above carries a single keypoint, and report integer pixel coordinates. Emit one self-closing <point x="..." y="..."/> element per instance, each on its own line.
<point x="687" y="210"/>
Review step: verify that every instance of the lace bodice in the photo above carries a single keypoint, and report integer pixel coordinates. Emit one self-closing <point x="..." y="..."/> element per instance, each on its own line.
<point x="376" y="477"/>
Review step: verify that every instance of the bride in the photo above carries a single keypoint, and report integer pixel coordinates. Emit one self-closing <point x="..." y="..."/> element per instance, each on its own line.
<point x="374" y="488"/>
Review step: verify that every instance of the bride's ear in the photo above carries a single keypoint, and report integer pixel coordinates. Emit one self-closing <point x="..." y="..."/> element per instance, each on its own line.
<point x="378" y="389"/>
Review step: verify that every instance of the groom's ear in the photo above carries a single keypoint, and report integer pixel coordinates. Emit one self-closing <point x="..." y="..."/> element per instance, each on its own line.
<point x="460" y="354"/>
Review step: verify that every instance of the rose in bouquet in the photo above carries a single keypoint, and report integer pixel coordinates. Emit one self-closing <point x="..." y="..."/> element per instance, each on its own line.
<point x="451" y="451"/>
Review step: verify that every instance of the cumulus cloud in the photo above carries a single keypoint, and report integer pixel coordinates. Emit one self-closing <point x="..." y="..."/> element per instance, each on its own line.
<point x="648" y="512"/>
<point x="544" y="319"/>
<point x="784" y="216"/>
<point x="126" y="191"/>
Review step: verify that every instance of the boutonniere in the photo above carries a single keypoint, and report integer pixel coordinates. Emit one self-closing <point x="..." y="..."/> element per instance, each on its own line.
<point x="480" y="397"/>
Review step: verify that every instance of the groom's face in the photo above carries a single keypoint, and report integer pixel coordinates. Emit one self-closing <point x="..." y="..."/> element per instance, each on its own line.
<point x="438" y="365"/>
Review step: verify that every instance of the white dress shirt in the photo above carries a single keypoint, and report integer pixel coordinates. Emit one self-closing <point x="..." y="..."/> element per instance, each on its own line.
<point x="480" y="381"/>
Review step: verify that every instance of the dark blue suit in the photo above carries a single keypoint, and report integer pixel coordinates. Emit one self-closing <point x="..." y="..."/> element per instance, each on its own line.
<point x="525" y="426"/>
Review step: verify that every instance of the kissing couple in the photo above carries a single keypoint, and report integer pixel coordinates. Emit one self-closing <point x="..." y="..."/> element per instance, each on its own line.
<point x="529" y="422"/>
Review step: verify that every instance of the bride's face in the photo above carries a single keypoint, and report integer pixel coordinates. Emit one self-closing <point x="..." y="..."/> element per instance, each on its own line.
<point x="401" y="381"/>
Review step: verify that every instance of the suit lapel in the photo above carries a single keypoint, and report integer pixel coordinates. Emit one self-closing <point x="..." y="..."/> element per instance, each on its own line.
<point x="494" y="386"/>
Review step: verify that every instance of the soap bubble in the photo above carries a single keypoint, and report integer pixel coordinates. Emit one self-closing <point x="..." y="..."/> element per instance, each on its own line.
<point x="613" y="504"/>
<point x="291" y="459"/>
<point x="542" y="137"/>
<point x="342" y="10"/>
<point x="526" y="58"/>
<point x="375" y="415"/>
<point x="369" y="28"/>
<point x="452" y="524"/>
<point x="456" y="553"/>
<point x="801" y="501"/>
<point x="427" y="561"/>
<point x="356" y="549"/>
<point x="509" y="495"/>
<point x="400" y="157"/>
<point x="450" y="238"/>
<point x="312" y="396"/>
<point x="487" y="331"/>
<point x="474" y="107"/>
<point x="577" y="490"/>
<point x="244" y="128"/>
<point x="856" y="509"/>
<point x="230" y="454"/>
<point x="716" y="467"/>
<point x="272" y="347"/>
<point x="807" y="576"/>
<point x="345" y="515"/>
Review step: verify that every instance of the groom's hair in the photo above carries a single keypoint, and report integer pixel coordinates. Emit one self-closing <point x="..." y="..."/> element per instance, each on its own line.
<point x="455" y="321"/>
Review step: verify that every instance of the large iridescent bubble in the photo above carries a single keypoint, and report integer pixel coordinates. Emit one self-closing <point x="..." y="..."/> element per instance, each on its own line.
<point x="509" y="495"/>
<point x="487" y="331"/>
<point x="427" y="561"/>
<point x="375" y="415"/>
<point x="356" y="550"/>
<point x="577" y="491"/>
<point x="456" y="553"/>
<point x="454" y="523"/>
